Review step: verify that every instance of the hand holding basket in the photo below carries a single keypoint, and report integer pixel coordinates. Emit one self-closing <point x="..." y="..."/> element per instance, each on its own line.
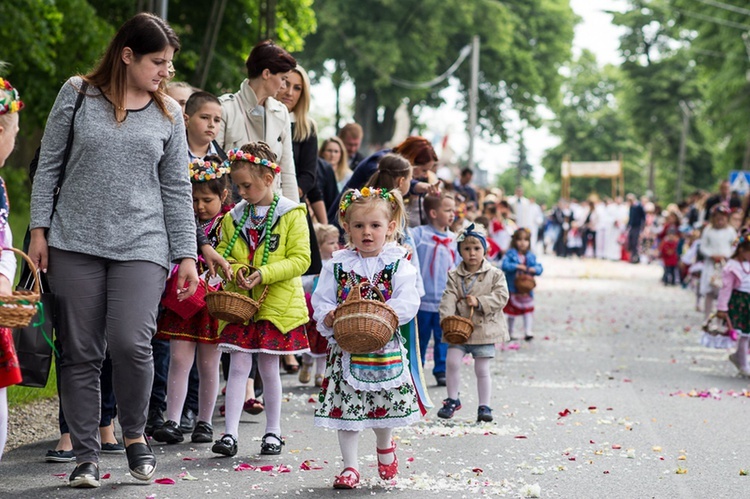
<point x="18" y="309"/>
<point x="457" y="329"/>
<point x="363" y="326"/>
<point x="232" y="307"/>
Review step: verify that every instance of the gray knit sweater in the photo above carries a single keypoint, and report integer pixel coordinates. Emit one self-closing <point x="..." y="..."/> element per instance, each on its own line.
<point x="126" y="193"/>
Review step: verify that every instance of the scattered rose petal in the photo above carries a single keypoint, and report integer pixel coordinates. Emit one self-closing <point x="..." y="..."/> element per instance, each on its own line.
<point x="410" y="459"/>
<point x="656" y="448"/>
<point x="60" y="475"/>
<point x="681" y="471"/>
<point x="164" y="481"/>
<point x="564" y="413"/>
<point x="477" y="470"/>
<point x="187" y="476"/>
<point x="606" y="472"/>
<point x="106" y="476"/>
<point x="531" y="490"/>
<point x="682" y="458"/>
<point x="283" y="468"/>
<point x="308" y="465"/>
<point x="743" y="472"/>
<point x="616" y="446"/>
<point x="188" y="459"/>
<point x="521" y="437"/>
<point x="243" y="467"/>
<point x="311" y="400"/>
<point x="591" y="442"/>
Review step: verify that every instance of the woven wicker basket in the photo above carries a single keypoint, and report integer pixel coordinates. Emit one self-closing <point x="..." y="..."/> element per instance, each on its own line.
<point x="233" y="307"/>
<point x="18" y="310"/>
<point x="717" y="327"/>
<point x="457" y="329"/>
<point x="363" y="326"/>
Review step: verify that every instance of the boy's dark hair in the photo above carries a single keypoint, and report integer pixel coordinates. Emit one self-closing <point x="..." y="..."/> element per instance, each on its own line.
<point x="216" y="186"/>
<point x="467" y="171"/>
<point x="197" y="100"/>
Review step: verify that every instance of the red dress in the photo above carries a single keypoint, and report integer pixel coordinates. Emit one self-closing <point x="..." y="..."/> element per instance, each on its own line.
<point x="10" y="372"/>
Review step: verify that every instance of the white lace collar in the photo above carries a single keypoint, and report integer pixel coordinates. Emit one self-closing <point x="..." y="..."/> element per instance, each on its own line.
<point x="351" y="259"/>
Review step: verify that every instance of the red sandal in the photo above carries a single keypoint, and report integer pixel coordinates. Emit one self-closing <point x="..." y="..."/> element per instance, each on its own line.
<point x="388" y="471"/>
<point x="347" y="481"/>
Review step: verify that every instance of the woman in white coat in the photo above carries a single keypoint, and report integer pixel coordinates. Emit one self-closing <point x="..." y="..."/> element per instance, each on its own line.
<point x="253" y="114"/>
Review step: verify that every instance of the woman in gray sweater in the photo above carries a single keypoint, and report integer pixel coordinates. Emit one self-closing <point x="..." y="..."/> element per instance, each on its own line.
<point x="124" y="215"/>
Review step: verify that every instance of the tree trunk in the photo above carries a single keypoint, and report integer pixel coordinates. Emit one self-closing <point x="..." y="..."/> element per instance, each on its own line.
<point x="651" y="169"/>
<point x="376" y="132"/>
<point x="213" y="27"/>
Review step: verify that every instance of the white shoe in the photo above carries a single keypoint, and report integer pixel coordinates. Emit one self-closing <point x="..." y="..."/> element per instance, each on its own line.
<point x="744" y="371"/>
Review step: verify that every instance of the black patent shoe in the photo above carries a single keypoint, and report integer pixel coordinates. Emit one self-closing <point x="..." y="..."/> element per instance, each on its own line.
<point x="85" y="476"/>
<point x="226" y="445"/>
<point x="203" y="433"/>
<point x="170" y="433"/>
<point x="187" y="421"/>
<point x="154" y="422"/>
<point x="141" y="460"/>
<point x="271" y="448"/>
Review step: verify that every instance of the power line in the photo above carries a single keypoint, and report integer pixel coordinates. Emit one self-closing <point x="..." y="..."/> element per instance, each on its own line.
<point x="716" y="20"/>
<point x="726" y="6"/>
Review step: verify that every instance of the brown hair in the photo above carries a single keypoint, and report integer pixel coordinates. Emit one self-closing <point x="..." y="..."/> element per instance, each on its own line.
<point x="268" y="55"/>
<point x="391" y="168"/>
<point x="197" y="100"/>
<point x="433" y="201"/>
<point x="259" y="150"/>
<point x="517" y="235"/>
<point x="417" y="150"/>
<point x="144" y="34"/>
<point x="353" y="130"/>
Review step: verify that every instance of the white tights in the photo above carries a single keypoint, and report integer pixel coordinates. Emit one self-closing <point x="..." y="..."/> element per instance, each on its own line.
<point x="239" y="370"/>
<point x="3" y="419"/>
<point x="453" y="362"/>
<point x="320" y="362"/>
<point x="349" y="443"/>
<point x="181" y="356"/>
<point x="528" y="322"/>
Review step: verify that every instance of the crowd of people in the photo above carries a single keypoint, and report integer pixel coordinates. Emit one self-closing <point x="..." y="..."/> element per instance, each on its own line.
<point x="294" y="224"/>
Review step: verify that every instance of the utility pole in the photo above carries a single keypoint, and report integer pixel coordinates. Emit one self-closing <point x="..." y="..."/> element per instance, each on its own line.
<point x="683" y="145"/>
<point x="473" y="97"/>
<point x="163" y="9"/>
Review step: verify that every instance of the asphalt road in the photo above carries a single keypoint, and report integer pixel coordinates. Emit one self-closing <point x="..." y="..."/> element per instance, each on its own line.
<point x="615" y="398"/>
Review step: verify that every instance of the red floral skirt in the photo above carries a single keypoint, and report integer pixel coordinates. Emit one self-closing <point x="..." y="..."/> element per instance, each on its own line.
<point x="263" y="337"/>
<point x="10" y="372"/>
<point x="519" y="305"/>
<point x="200" y="328"/>
<point x="318" y="344"/>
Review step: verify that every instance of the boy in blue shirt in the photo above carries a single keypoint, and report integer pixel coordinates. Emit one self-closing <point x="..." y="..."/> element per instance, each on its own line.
<point x="436" y="247"/>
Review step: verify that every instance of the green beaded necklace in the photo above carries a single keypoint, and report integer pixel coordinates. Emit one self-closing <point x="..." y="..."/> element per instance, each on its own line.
<point x="267" y="231"/>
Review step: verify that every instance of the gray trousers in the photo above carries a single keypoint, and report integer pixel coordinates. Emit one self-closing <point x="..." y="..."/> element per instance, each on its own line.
<point x="104" y="304"/>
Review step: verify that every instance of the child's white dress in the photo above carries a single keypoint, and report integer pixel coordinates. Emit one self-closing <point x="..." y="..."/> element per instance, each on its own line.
<point x="371" y="390"/>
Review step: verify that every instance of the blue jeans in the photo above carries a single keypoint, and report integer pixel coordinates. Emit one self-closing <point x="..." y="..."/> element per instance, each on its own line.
<point x="429" y="327"/>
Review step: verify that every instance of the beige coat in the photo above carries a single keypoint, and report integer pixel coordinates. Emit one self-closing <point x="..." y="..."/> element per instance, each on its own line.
<point x="491" y="290"/>
<point x="240" y="125"/>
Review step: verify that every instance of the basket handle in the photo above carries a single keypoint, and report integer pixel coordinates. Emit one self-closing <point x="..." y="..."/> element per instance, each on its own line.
<point x="356" y="292"/>
<point x="31" y="265"/>
<point x="471" y="314"/>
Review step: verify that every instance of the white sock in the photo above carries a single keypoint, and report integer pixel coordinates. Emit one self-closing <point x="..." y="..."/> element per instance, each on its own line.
<point x="528" y="322"/>
<point x="511" y="322"/>
<point x="268" y="366"/>
<point x="239" y="370"/>
<point x="3" y="419"/>
<point x="208" y="380"/>
<point x="484" y="380"/>
<point x="453" y="361"/>
<point x="742" y="343"/>
<point x="181" y="357"/>
<point x="348" y="442"/>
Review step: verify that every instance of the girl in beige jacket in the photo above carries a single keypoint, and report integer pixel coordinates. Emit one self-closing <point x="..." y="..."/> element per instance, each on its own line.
<point x="476" y="284"/>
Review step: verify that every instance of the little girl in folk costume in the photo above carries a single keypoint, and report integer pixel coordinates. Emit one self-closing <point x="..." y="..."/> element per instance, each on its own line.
<point x="520" y="259"/>
<point x="734" y="300"/>
<point x="269" y="233"/>
<point x="10" y="372"/>
<point x="715" y="247"/>
<point x="199" y="332"/>
<point x="354" y="396"/>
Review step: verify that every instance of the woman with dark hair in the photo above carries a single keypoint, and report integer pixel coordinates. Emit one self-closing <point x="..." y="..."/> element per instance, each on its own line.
<point x="122" y="217"/>
<point x="419" y="152"/>
<point x="253" y="114"/>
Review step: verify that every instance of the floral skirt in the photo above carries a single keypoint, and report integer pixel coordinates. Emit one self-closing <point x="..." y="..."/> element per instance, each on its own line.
<point x="519" y="305"/>
<point x="739" y="311"/>
<point x="341" y="407"/>
<point x="263" y="337"/>
<point x="200" y="328"/>
<point x="10" y="372"/>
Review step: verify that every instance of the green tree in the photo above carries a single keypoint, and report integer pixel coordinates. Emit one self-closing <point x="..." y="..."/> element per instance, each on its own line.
<point x="524" y="42"/>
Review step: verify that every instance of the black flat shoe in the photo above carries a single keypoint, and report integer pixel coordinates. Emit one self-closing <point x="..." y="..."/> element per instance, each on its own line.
<point x="226" y="445"/>
<point x="170" y="433"/>
<point x="85" y="476"/>
<point x="270" y="448"/>
<point x="60" y="456"/>
<point x="203" y="433"/>
<point x="141" y="460"/>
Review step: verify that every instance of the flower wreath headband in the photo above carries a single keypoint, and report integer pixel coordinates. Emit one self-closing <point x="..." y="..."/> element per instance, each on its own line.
<point x="366" y="192"/>
<point x="240" y="155"/>
<point x="202" y="170"/>
<point x="10" y="100"/>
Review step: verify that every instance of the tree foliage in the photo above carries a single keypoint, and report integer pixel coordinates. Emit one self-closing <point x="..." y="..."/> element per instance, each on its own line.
<point x="523" y="44"/>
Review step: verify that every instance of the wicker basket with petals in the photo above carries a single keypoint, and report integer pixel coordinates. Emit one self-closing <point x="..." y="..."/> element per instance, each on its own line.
<point x="233" y="307"/>
<point x="18" y="309"/>
<point x="363" y="326"/>
<point x="457" y="329"/>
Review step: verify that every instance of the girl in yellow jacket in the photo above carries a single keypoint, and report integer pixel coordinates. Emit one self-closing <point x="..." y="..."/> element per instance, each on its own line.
<point x="269" y="233"/>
